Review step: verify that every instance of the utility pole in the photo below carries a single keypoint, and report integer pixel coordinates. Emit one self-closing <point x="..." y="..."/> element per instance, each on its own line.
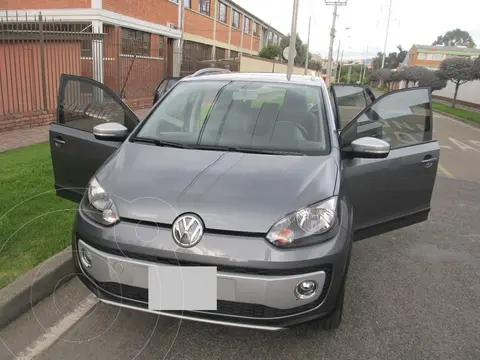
<point x="293" y="40"/>
<point x="340" y="70"/>
<point x="308" y="44"/>
<point x="386" y="34"/>
<point x="364" y="72"/>
<point x="181" y="19"/>
<point x="335" y="4"/>
<point x="349" y="73"/>
<point x="338" y="54"/>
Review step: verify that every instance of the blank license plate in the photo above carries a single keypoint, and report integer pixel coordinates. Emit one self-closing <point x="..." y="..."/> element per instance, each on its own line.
<point x="186" y="288"/>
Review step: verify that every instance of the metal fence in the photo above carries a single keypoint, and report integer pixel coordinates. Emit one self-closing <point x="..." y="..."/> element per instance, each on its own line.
<point x="198" y="56"/>
<point x="35" y="51"/>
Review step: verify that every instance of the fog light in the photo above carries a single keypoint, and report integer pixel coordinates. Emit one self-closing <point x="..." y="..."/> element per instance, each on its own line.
<point x="86" y="258"/>
<point x="306" y="289"/>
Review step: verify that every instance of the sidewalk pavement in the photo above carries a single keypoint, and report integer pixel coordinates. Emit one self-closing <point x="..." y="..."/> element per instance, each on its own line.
<point x="23" y="137"/>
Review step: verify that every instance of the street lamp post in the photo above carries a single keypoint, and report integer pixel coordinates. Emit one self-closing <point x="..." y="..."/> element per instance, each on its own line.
<point x="293" y="40"/>
<point x="308" y="44"/>
<point x="337" y="77"/>
<point x="336" y="4"/>
<point x="386" y="34"/>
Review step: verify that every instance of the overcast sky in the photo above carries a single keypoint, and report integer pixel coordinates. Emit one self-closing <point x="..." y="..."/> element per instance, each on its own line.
<point x="412" y="22"/>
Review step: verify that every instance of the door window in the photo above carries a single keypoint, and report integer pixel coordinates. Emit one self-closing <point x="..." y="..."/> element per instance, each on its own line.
<point x="401" y="118"/>
<point x="351" y="100"/>
<point x="85" y="105"/>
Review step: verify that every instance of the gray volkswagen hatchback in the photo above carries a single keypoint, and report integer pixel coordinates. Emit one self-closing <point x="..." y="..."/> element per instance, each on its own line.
<point x="237" y="199"/>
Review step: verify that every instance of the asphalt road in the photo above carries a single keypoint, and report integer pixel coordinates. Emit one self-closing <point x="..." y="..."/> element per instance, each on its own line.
<point x="412" y="294"/>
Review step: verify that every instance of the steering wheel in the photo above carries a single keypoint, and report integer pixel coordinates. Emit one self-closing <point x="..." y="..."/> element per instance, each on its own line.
<point x="298" y="126"/>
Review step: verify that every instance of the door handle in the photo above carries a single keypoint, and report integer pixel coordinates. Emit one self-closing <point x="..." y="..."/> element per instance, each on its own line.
<point x="429" y="160"/>
<point x="59" y="142"/>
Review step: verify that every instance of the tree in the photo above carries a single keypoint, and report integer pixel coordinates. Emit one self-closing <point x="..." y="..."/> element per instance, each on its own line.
<point x="398" y="75"/>
<point x="392" y="60"/>
<point x="402" y="54"/>
<point x="270" y="52"/>
<point x="432" y="79"/>
<point x="315" y="65"/>
<point x="455" y="37"/>
<point x="458" y="70"/>
<point x="386" y="76"/>
<point x="412" y="74"/>
<point x="300" y="47"/>
<point x="476" y="69"/>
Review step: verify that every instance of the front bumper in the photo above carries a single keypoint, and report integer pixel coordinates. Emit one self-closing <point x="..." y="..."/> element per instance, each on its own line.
<point x="263" y="296"/>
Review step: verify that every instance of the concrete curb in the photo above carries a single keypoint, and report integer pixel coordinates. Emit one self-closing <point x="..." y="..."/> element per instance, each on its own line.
<point x="472" y="123"/>
<point x="35" y="285"/>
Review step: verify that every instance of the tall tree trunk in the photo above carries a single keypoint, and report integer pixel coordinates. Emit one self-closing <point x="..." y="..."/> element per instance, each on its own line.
<point x="457" y="85"/>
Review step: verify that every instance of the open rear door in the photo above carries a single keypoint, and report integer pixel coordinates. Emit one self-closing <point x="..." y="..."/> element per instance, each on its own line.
<point x="76" y="154"/>
<point x="349" y="101"/>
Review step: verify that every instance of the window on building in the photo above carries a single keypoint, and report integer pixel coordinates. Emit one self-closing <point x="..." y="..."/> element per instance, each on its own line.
<point x="222" y="12"/>
<point x="204" y="6"/>
<point x="246" y="25"/>
<point x="422" y="56"/>
<point x="233" y="54"/>
<point x="429" y="56"/>
<point x="85" y="45"/>
<point x="220" y="53"/>
<point x="438" y="57"/>
<point x="275" y="38"/>
<point x="236" y="19"/>
<point x="161" y="47"/>
<point x="255" y="29"/>
<point x="135" y="42"/>
<point x="270" y="37"/>
<point x="186" y="3"/>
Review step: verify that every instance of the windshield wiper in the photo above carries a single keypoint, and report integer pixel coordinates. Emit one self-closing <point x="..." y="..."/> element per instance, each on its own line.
<point x="160" y="142"/>
<point x="245" y="150"/>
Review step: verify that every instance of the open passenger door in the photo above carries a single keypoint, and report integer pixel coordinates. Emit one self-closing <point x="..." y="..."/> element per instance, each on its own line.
<point x="77" y="153"/>
<point x="394" y="191"/>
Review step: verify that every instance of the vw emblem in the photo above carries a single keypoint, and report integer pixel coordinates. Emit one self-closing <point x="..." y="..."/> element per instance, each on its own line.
<point x="187" y="230"/>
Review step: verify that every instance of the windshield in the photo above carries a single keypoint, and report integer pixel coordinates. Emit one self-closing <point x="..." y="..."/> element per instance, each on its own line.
<point x="241" y="114"/>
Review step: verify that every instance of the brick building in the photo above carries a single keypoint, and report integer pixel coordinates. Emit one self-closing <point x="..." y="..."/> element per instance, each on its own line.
<point x="127" y="45"/>
<point x="431" y="57"/>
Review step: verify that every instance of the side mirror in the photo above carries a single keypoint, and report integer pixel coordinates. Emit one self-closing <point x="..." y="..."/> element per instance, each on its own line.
<point x="110" y="131"/>
<point x="369" y="147"/>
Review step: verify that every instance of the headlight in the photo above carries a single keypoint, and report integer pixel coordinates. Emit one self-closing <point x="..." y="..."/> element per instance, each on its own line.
<point x="103" y="208"/>
<point x="315" y="219"/>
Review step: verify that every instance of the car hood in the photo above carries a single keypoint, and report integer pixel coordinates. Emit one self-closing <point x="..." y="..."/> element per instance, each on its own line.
<point x="230" y="191"/>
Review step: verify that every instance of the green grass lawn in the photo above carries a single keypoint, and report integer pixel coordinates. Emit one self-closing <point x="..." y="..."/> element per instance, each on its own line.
<point x="34" y="223"/>
<point x="473" y="116"/>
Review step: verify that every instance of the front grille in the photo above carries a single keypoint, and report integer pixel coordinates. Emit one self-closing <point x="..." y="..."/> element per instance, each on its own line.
<point x="224" y="308"/>
<point x="220" y="268"/>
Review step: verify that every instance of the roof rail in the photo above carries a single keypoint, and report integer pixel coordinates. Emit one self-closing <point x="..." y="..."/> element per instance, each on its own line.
<point x="210" y="71"/>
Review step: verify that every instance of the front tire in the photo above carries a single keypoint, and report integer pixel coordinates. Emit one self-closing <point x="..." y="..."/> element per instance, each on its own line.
<point x="333" y="321"/>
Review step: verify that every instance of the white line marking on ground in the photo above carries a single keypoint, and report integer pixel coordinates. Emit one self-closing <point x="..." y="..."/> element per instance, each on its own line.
<point x="56" y="331"/>
<point x="445" y="147"/>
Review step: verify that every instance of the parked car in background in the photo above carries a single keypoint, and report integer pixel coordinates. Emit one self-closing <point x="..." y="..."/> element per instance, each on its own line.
<point x="245" y="190"/>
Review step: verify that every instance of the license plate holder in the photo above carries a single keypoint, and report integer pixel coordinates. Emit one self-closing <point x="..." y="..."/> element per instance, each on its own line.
<point x="182" y="288"/>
